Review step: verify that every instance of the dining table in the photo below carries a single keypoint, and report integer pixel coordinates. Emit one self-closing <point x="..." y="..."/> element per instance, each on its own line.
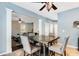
<point x="46" y="41"/>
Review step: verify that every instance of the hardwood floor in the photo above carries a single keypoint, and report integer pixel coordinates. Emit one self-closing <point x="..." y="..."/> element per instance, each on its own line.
<point x="69" y="52"/>
<point x="72" y="52"/>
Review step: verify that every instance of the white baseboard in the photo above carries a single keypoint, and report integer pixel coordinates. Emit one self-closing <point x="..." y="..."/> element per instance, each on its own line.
<point x="5" y="53"/>
<point x="72" y="46"/>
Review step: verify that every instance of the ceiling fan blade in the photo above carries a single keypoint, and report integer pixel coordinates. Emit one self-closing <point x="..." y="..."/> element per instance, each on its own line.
<point x="54" y="7"/>
<point x="42" y="7"/>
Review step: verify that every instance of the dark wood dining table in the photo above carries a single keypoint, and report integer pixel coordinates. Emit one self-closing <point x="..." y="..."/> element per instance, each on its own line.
<point x="46" y="41"/>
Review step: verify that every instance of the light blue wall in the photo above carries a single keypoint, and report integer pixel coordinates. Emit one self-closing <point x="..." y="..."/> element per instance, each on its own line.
<point x="65" y="21"/>
<point x="22" y="11"/>
<point x="3" y="19"/>
<point x="2" y="29"/>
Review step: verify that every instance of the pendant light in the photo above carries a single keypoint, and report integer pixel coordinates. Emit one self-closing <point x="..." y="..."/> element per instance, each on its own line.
<point x="19" y="21"/>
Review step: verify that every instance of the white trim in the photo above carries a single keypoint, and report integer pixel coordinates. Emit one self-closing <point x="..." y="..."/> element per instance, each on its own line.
<point x="8" y="30"/>
<point x="72" y="46"/>
<point x="5" y="53"/>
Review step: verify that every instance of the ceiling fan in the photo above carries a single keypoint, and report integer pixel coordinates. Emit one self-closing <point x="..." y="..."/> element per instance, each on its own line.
<point x="48" y="5"/>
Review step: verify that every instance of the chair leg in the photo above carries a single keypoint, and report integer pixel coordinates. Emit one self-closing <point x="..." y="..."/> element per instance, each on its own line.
<point x="54" y="53"/>
<point x="65" y="53"/>
<point x="61" y="55"/>
<point x="24" y="53"/>
<point x="39" y="52"/>
<point x="32" y="54"/>
<point x="49" y="53"/>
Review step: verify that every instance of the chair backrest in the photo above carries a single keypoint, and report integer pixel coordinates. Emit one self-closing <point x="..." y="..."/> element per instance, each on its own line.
<point x="26" y="44"/>
<point x="65" y="43"/>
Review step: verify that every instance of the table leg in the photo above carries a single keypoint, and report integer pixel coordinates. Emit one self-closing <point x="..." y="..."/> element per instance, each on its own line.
<point x="44" y="50"/>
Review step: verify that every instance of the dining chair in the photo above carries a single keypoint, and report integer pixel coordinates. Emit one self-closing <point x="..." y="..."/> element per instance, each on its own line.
<point x="59" y="48"/>
<point x="28" y="49"/>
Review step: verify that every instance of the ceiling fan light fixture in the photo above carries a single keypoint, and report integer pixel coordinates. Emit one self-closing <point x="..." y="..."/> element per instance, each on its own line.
<point x="19" y="21"/>
<point x="49" y="6"/>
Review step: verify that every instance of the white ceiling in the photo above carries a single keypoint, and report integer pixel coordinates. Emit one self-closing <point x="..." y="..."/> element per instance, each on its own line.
<point x="52" y="14"/>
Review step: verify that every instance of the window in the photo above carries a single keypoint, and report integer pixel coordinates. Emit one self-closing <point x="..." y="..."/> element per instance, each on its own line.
<point x="51" y="28"/>
<point x="23" y="28"/>
<point x="56" y="29"/>
<point x="47" y="29"/>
